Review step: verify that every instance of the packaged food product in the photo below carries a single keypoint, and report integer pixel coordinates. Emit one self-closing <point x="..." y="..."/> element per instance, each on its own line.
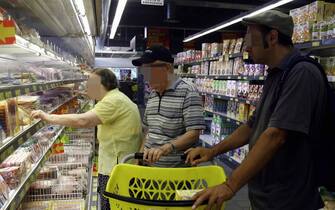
<point x="183" y="195"/>
<point x="329" y="11"/>
<point x="316" y="31"/>
<point x="238" y="46"/>
<point x="251" y="70"/>
<point x="12" y="176"/>
<point x="316" y="10"/>
<point x="232" y="46"/>
<point x="304" y="14"/>
<point x="226" y="46"/>
<point x="323" y="29"/>
<point x="294" y="13"/>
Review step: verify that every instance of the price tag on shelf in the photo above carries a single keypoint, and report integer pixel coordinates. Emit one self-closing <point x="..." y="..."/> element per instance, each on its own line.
<point x="231" y="99"/>
<point x="229" y="77"/>
<point x="261" y="78"/>
<point x="245" y="55"/>
<point x="28" y="134"/>
<point x="216" y="77"/>
<point x="219" y="96"/>
<point x="248" y="102"/>
<point x="245" y="78"/>
<point x="316" y="44"/>
<point x="21" y="140"/>
<point x="236" y="99"/>
<point x="239" y="77"/>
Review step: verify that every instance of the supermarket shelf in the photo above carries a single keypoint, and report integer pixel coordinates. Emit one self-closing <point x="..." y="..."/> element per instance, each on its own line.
<point x="331" y="78"/>
<point x="216" y="58"/>
<point x="232" y="77"/>
<point x="316" y="45"/>
<point x="18" y="195"/>
<point x="90" y="186"/>
<point x="26" y="51"/>
<point x="18" y="90"/>
<point x="12" y="144"/>
<point x="229" y="119"/>
<point x="187" y="75"/>
<point x="230" y="98"/>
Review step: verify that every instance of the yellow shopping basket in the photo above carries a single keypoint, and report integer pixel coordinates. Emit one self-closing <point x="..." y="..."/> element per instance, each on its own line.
<point x="133" y="187"/>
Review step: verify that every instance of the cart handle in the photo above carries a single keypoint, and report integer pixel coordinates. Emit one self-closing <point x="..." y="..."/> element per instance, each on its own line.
<point x="164" y="203"/>
<point x="139" y="156"/>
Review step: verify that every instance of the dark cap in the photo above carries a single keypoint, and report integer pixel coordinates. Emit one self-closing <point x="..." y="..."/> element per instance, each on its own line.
<point x="273" y="19"/>
<point x="153" y="54"/>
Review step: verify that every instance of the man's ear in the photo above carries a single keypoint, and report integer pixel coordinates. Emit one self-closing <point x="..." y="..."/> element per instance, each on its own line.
<point x="273" y="37"/>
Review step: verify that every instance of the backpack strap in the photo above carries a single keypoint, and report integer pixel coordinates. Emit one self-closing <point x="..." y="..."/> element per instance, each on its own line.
<point x="289" y="68"/>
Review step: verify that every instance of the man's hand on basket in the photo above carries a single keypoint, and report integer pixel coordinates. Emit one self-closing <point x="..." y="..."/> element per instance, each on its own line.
<point x="215" y="196"/>
<point x="153" y="155"/>
<point x="198" y="155"/>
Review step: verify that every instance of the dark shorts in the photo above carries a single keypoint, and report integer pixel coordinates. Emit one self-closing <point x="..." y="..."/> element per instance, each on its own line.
<point x="102" y="183"/>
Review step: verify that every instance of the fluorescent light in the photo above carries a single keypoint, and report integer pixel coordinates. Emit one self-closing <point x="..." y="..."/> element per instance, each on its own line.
<point x="232" y="21"/>
<point x="79" y="8"/>
<point x="117" y="18"/>
<point x="145" y="32"/>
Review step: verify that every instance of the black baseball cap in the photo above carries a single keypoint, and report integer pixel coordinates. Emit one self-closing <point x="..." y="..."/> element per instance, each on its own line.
<point x="152" y="54"/>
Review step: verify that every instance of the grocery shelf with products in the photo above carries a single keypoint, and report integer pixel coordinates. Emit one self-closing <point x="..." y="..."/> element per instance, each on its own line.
<point x="21" y="167"/>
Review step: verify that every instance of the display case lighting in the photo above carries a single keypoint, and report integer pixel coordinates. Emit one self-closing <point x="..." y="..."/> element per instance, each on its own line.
<point x="117" y="18"/>
<point x="259" y="10"/>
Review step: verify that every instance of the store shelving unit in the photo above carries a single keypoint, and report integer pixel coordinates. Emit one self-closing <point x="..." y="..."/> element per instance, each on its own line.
<point x="13" y="143"/>
<point x="18" y="90"/>
<point x="228" y="98"/>
<point x="232" y="77"/>
<point x="228" y="118"/>
<point x="24" y="50"/>
<point x="16" y="197"/>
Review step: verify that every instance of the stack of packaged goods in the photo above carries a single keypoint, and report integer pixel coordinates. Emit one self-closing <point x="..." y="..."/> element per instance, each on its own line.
<point x="15" y="112"/>
<point x="16" y="166"/>
<point x="230" y="88"/>
<point x="64" y="178"/>
<point x="314" y="21"/>
<point x="188" y="56"/>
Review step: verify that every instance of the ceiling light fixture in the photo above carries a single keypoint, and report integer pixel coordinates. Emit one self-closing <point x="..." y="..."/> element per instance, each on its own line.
<point x="258" y="10"/>
<point x="117" y="18"/>
<point x="79" y="8"/>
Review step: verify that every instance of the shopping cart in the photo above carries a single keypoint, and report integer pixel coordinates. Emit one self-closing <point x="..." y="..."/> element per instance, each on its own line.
<point x="133" y="187"/>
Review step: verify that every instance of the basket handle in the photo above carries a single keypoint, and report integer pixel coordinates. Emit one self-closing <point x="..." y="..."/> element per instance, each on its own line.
<point x="165" y="203"/>
<point x="140" y="155"/>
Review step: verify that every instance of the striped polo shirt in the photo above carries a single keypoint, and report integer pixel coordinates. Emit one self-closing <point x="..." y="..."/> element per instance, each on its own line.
<point x="177" y="110"/>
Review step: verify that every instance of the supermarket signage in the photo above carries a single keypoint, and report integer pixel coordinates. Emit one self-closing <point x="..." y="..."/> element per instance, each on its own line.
<point x="153" y="2"/>
<point x="7" y="32"/>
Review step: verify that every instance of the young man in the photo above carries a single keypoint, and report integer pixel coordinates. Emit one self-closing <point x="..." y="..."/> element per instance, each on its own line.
<point x="117" y="118"/>
<point x="173" y="115"/>
<point x="279" y="167"/>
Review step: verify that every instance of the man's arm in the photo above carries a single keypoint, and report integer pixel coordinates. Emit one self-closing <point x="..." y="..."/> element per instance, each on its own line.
<point x="237" y="139"/>
<point x="266" y="147"/>
<point x="85" y="120"/>
<point x="186" y="140"/>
